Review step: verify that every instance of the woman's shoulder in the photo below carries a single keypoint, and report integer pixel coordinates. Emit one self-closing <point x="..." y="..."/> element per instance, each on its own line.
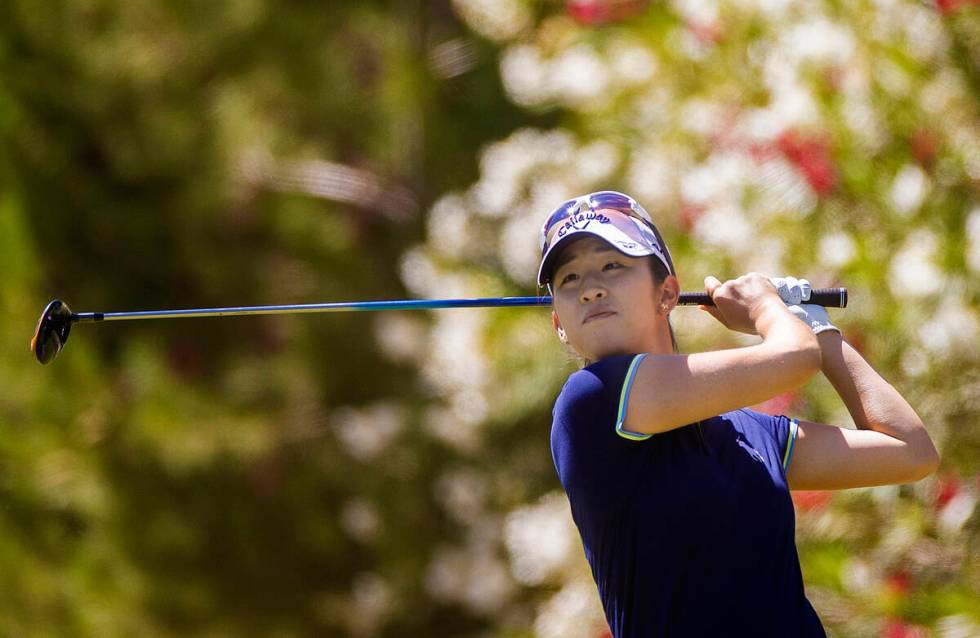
<point x="603" y="377"/>
<point x="604" y="372"/>
<point x="611" y="366"/>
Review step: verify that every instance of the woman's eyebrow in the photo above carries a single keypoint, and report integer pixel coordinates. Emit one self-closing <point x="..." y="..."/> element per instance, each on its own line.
<point x="564" y="260"/>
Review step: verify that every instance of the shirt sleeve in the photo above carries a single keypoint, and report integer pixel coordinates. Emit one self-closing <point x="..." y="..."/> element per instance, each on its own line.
<point x="783" y="430"/>
<point x="623" y="403"/>
<point x="593" y="454"/>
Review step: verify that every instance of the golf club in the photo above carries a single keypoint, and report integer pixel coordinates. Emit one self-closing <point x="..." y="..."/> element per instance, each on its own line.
<point x="57" y="318"/>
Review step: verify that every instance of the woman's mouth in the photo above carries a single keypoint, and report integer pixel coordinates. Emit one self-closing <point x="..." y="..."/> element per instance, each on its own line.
<point x="602" y="314"/>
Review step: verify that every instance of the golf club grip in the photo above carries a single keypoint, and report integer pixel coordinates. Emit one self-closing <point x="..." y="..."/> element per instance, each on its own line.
<point x="827" y="297"/>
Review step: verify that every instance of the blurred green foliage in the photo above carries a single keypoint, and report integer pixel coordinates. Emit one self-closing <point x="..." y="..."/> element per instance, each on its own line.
<point x="370" y="475"/>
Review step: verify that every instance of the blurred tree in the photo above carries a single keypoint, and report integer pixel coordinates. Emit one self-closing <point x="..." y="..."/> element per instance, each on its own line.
<point x="222" y="477"/>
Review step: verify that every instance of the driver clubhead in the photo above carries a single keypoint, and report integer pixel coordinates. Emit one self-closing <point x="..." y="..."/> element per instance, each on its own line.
<point x="52" y="331"/>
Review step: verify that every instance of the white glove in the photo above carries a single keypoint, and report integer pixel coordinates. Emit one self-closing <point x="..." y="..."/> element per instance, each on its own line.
<point x="793" y="291"/>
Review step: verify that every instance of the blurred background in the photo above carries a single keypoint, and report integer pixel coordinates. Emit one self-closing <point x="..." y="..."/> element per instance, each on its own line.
<point x="389" y="474"/>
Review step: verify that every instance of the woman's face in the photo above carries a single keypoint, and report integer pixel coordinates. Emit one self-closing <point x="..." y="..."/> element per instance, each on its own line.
<point x="605" y="303"/>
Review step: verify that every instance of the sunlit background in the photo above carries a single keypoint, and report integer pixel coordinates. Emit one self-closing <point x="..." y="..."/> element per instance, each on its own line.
<point x="389" y="475"/>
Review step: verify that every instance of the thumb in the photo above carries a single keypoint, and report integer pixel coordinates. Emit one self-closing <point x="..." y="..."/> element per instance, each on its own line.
<point x="710" y="285"/>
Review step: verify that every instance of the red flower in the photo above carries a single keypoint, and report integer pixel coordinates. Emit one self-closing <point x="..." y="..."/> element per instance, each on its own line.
<point x="812" y="500"/>
<point x="948" y="488"/>
<point x="856" y="338"/>
<point x="896" y="628"/>
<point x="708" y="32"/>
<point x="925" y="147"/>
<point x="604" y="11"/>
<point x="811" y="155"/>
<point x="947" y="7"/>
<point x="690" y="214"/>
<point x="833" y="79"/>
<point x="898" y="583"/>
<point x="779" y="404"/>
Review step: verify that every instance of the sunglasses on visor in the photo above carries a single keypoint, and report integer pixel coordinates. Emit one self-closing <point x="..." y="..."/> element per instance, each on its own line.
<point x="592" y="202"/>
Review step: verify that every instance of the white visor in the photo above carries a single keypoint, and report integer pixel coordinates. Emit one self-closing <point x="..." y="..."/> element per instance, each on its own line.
<point x="623" y="232"/>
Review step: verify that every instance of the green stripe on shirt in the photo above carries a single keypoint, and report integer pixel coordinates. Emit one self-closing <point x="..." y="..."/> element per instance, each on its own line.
<point x="624" y="397"/>
<point x="794" y="426"/>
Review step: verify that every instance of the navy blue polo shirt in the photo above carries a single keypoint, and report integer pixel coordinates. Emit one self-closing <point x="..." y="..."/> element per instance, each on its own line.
<point x="688" y="533"/>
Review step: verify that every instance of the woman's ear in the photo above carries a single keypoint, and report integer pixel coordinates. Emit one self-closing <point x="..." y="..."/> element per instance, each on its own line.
<point x="670" y="293"/>
<point x="556" y="322"/>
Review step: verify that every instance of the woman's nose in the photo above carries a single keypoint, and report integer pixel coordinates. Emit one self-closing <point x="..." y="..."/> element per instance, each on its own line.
<point x="592" y="292"/>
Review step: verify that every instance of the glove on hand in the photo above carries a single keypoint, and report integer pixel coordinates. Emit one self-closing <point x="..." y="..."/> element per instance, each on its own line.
<point x="793" y="291"/>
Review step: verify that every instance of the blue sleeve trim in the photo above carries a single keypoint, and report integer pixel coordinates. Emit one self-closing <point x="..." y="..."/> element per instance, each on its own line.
<point x="794" y="427"/>
<point x="624" y="397"/>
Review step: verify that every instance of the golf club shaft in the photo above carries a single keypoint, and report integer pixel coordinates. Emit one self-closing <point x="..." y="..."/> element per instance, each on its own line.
<point x="830" y="297"/>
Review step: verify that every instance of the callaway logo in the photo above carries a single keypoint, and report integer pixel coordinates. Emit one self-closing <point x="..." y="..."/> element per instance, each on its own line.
<point x="579" y="221"/>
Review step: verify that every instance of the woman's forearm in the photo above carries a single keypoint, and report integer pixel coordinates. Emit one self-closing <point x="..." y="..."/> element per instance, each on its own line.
<point x="871" y="401"/>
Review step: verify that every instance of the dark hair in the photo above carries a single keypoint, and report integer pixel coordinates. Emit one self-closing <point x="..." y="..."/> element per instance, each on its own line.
<point x="660" y="273"/>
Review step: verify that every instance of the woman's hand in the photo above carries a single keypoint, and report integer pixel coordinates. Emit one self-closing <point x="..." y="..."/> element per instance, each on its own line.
<point x="741" y="303"/>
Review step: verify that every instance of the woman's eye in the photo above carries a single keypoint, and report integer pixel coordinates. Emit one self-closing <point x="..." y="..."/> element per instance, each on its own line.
<point x="567" y="278"/>
<point x="613" y="264"/>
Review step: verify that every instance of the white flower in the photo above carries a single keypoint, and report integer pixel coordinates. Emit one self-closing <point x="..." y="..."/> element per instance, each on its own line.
<point x="518" y="247"/>
<point x="456" y="360"/>
<point x="541" y="538"/>
<point x="820" y="41"/>
<point x="578" y="76"/>
<point x="767" y="256"/>
<point x="793" y="105"/>
<point x="912" y="271"/>
<point x="366" y="432"/>
<point x="596" y="161"/>
<point x="702" y="117"/>
<point x="573" y="612"/>
<point x="857" y="575"/>
<point x="652" y="177"/>
<point x="836" y="249"/>
<point x="448" y="229"/>
<point x="915" y="362"/>
<point x="400" y="337"/>
<point x="785" y="192"/>
<point x="524" y="72"/>
<point x="360" y="519"/>
<point x="418" y="272"/>
<point x="954" y="327"/>
<point x="372" y="600"/>
<point x="444" y="425"/>
<point x="909" y="189"/>
<point x="462" y="494"/>
<point x="973" y="240"/>
<point x="700" y="11"/>
<point x="632" y="63"/>
<point x="726" y="227"/>
<point x="863" y="122"/>
<point x="497" y="20"/>
<point x="721" y="178"/>
<point x="471" y="575"/>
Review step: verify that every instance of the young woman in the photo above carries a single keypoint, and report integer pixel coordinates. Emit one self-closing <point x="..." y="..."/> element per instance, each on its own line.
<point x="680" y="493"/>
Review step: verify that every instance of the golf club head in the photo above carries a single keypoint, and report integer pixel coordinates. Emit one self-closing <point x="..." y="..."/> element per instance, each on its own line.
<point x="52" y="331"/>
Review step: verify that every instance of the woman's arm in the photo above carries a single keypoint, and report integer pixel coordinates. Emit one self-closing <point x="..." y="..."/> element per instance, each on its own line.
<point x="670" y="391"/>
<point x="891" y="445"/>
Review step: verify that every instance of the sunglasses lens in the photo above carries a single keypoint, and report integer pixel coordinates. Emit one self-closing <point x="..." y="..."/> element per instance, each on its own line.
<point x="560" y="213"/>
<point x="593" y="201"/>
